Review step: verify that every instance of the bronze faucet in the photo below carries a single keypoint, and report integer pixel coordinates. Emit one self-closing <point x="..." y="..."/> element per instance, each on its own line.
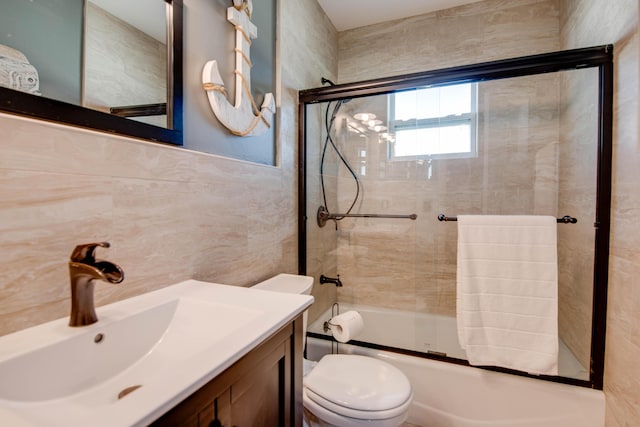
<point x="336" y="281"/>
<point x="83" y="270"/>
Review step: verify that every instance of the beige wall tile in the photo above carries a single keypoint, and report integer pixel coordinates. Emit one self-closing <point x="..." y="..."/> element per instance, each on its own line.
<point x="578" y="166"/>
<point x="483" y="31"/>
<point x="516" y="171"/>
<point x="41" y="214"/>
<point x="594" y="22"/>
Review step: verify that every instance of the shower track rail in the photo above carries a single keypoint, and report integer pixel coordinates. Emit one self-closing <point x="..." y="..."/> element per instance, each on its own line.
<point x="564" y="220"/>
<point x="323" y="216"/>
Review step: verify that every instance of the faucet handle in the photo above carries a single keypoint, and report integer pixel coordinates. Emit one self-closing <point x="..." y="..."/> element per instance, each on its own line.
<point x="86" y="253"/>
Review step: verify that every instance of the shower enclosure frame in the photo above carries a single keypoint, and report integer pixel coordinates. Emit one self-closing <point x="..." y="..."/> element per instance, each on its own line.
<point x="600" y="57"/>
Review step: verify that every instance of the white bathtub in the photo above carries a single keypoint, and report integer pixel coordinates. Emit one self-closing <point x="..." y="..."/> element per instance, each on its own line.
<point x="450" y="395"/>
<point x="402" y="329"/>
<point x="427" y="333"/>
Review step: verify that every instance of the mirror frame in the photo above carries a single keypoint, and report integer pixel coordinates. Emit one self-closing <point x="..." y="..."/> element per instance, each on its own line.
<point x="38" y="107"/>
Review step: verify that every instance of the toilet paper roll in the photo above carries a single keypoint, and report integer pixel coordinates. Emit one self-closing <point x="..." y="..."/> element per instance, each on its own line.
<point x="346" y="326"/>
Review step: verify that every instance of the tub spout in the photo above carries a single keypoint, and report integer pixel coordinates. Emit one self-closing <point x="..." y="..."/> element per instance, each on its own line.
<point x="84" y="269"/>
<point x="336" y="281"/>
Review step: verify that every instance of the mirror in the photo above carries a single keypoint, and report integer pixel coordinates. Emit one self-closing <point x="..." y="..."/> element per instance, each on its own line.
<point x="108" y="65"/>
<point x="125" y="59"/>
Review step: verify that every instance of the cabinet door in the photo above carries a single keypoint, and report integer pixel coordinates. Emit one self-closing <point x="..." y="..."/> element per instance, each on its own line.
<point x="202" y="409"/>
<point x="258" y="398"/>
<point x="216" y="413"/>
<point x="262" y="389"/>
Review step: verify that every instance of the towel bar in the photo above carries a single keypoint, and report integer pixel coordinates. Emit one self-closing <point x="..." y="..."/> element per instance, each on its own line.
<point x="564" y="220"/>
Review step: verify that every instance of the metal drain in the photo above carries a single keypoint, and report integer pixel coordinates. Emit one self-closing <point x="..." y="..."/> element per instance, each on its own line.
<point x="128" y="390"/>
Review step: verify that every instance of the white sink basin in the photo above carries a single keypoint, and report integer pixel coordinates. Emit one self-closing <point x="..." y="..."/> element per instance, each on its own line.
<point x="157" y="337"/>
<point x="160" y="347"/>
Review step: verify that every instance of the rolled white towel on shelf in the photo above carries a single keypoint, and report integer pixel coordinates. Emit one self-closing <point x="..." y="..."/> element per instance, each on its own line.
<point x="346" y="326"/>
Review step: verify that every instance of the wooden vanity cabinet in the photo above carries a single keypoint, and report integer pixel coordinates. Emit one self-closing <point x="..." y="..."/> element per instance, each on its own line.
<point x="262" y="389"/>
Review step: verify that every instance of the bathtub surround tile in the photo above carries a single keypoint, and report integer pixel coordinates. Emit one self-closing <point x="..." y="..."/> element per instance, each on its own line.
<point x="623" y="402"/>
<point x="578" y="164"/>
<point x="623" y="295"/>
<point x="322" y="250"/>
<point x="593" y="22"/>
<point x="486" y="31"/>
<point x="500" y="101"/>
<point x="516" y="170"/>
<point x="539" y="35"/>
<point x="325" y="295"/>
<point x="358" y="47"/>
<point x="309" y="44"/>
<point x="388" y="291"/>
<point x="435" y="296"/>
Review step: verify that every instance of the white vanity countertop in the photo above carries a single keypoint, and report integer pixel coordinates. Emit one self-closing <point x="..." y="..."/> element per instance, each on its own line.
<point x="198" y="352"/>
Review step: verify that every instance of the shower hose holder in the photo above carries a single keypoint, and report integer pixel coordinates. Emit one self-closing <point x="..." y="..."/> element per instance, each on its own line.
<point x="323" y="216"/>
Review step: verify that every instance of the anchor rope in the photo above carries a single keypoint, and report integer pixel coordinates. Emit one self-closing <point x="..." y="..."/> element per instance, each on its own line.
<point x="244" y="56"/>
<point x="244" y="33"/>
<point x="258" y="116"/>
<point x="217" y="88"/>
<point x="244" y="7"/>
<point x="249" y="129"/>
<point x="256" y="110"/>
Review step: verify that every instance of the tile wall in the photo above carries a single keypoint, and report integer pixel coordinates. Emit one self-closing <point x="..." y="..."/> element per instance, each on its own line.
<point x="169" y="213"/>
<point x="411" y="265"/>
<point x="478" y="32"/>
<point x="518" y="121"/>
<point x="577" y="162"/>
<point x="591" y="22"/>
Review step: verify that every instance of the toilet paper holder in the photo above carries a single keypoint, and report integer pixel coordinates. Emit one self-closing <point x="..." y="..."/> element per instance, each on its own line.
<point x="335" y="310"/>
<point x="346" y="326"/>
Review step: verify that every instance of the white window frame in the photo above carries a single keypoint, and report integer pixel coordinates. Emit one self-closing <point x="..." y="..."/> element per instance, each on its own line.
<point x="470" y="118"/>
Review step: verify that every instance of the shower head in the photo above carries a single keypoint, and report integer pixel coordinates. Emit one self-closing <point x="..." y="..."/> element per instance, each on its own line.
<point x="325" y="81"/>
<point x="330" y="83"/>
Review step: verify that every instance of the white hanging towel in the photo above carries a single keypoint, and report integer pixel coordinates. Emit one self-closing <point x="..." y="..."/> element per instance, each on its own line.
<point x="507" y="291"/>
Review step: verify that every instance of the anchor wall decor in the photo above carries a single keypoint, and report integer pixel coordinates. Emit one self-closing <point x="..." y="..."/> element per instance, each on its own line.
<point x="244" y="118"/>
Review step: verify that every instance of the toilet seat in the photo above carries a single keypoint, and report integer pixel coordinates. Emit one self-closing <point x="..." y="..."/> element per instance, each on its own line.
<point x="358" y="387"/>
<point x="344" y="411"/>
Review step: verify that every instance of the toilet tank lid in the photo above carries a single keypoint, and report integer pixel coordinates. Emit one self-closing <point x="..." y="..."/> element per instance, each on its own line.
<point x="287" y="283"/>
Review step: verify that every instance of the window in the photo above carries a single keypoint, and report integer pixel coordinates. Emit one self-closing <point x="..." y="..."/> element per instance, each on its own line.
<point x="435" y="122"/>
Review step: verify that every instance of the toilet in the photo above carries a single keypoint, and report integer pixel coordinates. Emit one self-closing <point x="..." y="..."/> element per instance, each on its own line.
<point x="346" y="390"/>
